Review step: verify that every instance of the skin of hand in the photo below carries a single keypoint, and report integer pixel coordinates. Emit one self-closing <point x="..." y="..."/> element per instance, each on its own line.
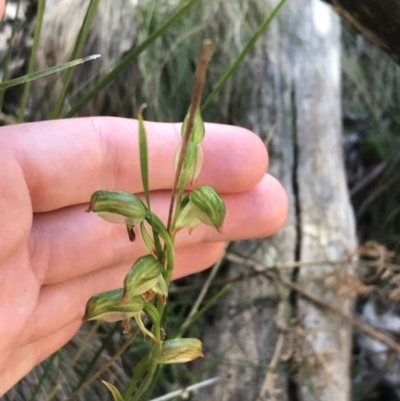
<point x="54" y="256"/>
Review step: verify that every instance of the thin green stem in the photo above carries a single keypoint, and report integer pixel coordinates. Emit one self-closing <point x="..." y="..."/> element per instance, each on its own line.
<point x="80" y="42"/>
<point x="232" y="68"/>
<point x="195" y="103"/>
<point x="130" y="57"/>
<point x="146" y="381"/>
<point x="140" y="370"/>
<point x="31" y="65"/>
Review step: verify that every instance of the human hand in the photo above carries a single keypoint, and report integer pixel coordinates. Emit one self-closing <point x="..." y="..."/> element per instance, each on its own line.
<point x="54" y="257"/>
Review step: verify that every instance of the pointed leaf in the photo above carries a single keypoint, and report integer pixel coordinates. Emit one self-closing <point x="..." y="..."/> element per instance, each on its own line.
<point x="154" y="315"/>
<point x="114" y="391"/>
<point x="143" y="328"/>
<point x="159" y="227"/>
<point x="118" y="207"/>
<point x="144" y="154"/>
<point x="43" y="73"/>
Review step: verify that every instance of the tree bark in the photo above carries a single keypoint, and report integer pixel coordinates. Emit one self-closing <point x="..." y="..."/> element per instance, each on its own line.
<point x="299" y="99"/>
<point x="377" y="20"/>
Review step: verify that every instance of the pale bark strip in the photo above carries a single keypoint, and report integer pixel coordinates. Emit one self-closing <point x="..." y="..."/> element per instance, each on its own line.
<point x="298" y="96"/>
<point x="249" y="316"/>
<point x="327" y="229"/>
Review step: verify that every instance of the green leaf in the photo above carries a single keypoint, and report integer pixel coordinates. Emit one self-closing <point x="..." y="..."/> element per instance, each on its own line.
<point x="142" y="277"/>
<point x="198" y="130"/>
<point x="107" y="306"/>
<point x="143" y="328"/>
<point x="180" y="350"/>
<point x="118" y="207"/>
<point x="114" y="391"/>
<point x="154" y="315"/>
<point x="144" y="163"/>
<point x="47" y="71"/>
<point x="159" y="227"/>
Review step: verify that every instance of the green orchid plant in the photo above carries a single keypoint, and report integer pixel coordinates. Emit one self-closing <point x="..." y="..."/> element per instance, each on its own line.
<point x="144" y="291"/>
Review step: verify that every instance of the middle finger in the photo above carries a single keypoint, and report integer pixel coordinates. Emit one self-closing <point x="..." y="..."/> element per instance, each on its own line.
<point x="68" y="243"/>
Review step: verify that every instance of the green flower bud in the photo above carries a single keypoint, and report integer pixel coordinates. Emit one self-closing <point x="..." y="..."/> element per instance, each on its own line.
<point x="147" y="239"/>
<point x="161" y="288"/>
<point x="118" y="207"/>
<point x="180" y="350"/>
<point x="202" y="205"/>
<point x="208" y="206"/>
<point x="108" y="306"/>
<point x="198" y="129"/>
<point x="187" y="218"/>
<point x="143" y="276"/>
<point x="192" y="164"/>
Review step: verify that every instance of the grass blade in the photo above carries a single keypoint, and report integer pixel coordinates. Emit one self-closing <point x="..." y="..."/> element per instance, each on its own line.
<point x="7" y="58"/>
<point x="47" y="71"/>
<point x="195" y="316"/>
<point x="130" y="57"/>
<point x="80" y="42"/>
<point x="232" y="68"/>
<point x="31" y="65"/>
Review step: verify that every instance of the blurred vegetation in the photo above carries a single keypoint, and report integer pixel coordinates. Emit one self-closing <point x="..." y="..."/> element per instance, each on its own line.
<point x="371" y="110"/>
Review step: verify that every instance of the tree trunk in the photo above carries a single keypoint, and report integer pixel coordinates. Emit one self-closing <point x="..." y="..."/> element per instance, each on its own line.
<point x="298" y="99"/>
<point x="377" y="20"/>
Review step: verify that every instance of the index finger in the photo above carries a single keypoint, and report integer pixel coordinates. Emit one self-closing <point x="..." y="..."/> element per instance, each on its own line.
<point x="65" y="161"/>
